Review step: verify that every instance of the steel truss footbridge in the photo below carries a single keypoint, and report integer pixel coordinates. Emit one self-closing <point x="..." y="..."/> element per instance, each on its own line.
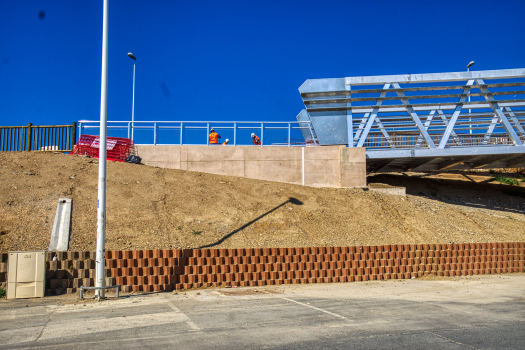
<point x="412" y="122"/>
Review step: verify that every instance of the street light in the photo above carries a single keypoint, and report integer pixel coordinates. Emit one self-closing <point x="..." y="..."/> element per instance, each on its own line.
<point x="469" y="117"/>
<point x="133" y="103"/>
<point x="101" y="208"/>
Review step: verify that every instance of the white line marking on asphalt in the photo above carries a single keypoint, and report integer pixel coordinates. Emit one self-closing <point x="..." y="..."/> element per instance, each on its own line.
<point x="316" y="308"/>
<point x="192" y="325"/>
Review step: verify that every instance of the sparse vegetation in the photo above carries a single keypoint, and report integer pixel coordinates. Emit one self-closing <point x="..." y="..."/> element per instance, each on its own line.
<point x="492" y="171"/>
<point x="196" y="232"/>
<point x="507" y="180"/>
<point x="2" y="293"/>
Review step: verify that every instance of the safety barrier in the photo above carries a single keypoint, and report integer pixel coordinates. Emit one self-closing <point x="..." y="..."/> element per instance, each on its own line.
<point x="117" y="148"/>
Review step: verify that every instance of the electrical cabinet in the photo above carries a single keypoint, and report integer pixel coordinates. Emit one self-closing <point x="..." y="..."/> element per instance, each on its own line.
<point x="26" y="275"/>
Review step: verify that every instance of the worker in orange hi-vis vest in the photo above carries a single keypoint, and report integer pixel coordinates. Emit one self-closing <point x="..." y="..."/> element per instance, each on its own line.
<point x="255" y="139"/>
<point x="226" y="142"/>
<point x="214" y="137"/>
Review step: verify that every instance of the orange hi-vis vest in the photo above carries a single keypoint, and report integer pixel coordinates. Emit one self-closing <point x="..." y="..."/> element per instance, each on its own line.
<point x="224" y="143"/>
<point x="214" y="138"/>
<point x="256" y="140"/>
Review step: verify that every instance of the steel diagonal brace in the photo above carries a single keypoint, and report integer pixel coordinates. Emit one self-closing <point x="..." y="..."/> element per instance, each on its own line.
<point x="497" y="109"/>
<point x="490" y="130"/>
<point x="373" y="116"/>
<point x="427" y="124"/>
<point x="385" y="133"/>
<point x="414" y="117"/>
<point x="515" y="120"/>
<point x="452" y="133"/>
<point x="361" y="125"/>
<point x="455" y="115"/>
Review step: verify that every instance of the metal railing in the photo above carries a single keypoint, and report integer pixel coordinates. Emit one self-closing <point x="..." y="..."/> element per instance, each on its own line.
<point x="56" y="138"/>
<point x="378" y="141"/>
<point x="197" y="132"/>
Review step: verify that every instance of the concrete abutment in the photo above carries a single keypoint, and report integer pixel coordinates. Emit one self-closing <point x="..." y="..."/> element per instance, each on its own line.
<point x="330" y="166"/>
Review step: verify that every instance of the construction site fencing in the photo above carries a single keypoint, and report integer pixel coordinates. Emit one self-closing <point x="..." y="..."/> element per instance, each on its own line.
<point x="196" y="132"/>
<point x="55" y="138"/>
<point x="117" y="148"/>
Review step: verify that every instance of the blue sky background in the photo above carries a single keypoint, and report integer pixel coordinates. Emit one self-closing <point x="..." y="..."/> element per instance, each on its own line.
<point x="232" y="60"/>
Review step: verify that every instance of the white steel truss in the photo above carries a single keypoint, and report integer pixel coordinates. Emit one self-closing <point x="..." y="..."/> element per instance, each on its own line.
<point x="419" y="110"/>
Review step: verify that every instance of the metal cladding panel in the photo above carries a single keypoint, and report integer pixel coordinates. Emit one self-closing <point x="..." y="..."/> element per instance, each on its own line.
<point x="330" y="129"/>
<point x="304" y="117"/>
<point x="26" y="275"/>
<point x="316" y="85"/>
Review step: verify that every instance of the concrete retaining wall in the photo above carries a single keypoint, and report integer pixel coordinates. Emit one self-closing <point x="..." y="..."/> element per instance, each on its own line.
<point x="332" y="166"/>
<point x="160" y="270"/>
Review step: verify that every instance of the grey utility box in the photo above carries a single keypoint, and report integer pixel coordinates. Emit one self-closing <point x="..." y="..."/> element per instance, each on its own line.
<point x="26" y="275"/>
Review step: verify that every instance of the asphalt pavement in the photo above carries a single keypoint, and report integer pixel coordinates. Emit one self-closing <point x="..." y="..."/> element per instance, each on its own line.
<point x="482" y="312"/>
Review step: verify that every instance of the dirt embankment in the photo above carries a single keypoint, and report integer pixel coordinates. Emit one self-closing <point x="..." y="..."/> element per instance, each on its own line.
<point x="160" y="208"/>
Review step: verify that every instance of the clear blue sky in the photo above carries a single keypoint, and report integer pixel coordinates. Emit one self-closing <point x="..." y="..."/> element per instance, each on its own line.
<point x="232" y="60"/>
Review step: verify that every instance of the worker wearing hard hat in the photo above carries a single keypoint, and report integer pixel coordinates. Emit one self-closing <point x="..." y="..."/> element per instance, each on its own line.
<point x="255" y="139"/>
<point x="214" y="137"/>
<point x="226" y="142"/>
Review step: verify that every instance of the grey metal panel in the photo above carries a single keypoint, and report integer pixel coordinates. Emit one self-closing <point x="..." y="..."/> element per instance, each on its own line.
<point x="436" y="77"/>
<point x="304" y="117"/>
<point x="331" y="129"/>
<point x="447" y="152"/>
<point x="337" y="84"/>
<point x="314" y="85"/>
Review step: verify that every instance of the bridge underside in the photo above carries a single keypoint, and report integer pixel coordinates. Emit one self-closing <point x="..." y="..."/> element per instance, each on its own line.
<point x="448" y="159"/>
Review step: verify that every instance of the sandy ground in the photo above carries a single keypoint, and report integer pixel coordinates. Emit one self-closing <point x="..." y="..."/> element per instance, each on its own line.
<point x="150" y="208"/>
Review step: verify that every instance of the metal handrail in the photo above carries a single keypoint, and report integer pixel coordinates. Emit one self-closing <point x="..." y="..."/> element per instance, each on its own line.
<point x="204" y="125"/>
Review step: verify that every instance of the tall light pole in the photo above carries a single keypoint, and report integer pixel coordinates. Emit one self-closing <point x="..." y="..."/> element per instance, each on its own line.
<point x="133" y="103"/>
<point x="469" y="117"/>
<point x="101" y="207"/>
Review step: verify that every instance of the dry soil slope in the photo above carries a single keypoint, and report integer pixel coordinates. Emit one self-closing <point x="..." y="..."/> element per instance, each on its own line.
<point x="159" y="208"/>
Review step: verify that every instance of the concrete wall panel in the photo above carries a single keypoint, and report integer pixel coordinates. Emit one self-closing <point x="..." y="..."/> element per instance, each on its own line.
<point x="323" y="153"/>
<point x="273" y="153"/>
<point x="224" y="167"/>
<point x="161" y="156"/>
<point x="331" y="166"/>
<point x="353" y="167"/>
<point x="321" y="173"/>
<point x="288" y="171"/>
<point x="213" y="153"/>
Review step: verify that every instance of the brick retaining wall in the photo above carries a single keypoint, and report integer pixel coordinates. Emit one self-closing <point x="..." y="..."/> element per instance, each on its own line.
<point x="164" y="270"/>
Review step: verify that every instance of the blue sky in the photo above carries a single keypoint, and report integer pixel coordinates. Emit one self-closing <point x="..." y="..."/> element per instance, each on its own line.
<point x="232" y="60"/>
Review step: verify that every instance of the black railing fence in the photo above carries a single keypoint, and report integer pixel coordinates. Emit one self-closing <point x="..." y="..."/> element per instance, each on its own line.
<point x="45" y="138"/>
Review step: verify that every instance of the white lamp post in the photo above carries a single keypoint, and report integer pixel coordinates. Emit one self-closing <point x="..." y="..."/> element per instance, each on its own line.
<point x="101" y="208"/>
<point x="469" y="117"/>
<point x="133" y="103"/>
